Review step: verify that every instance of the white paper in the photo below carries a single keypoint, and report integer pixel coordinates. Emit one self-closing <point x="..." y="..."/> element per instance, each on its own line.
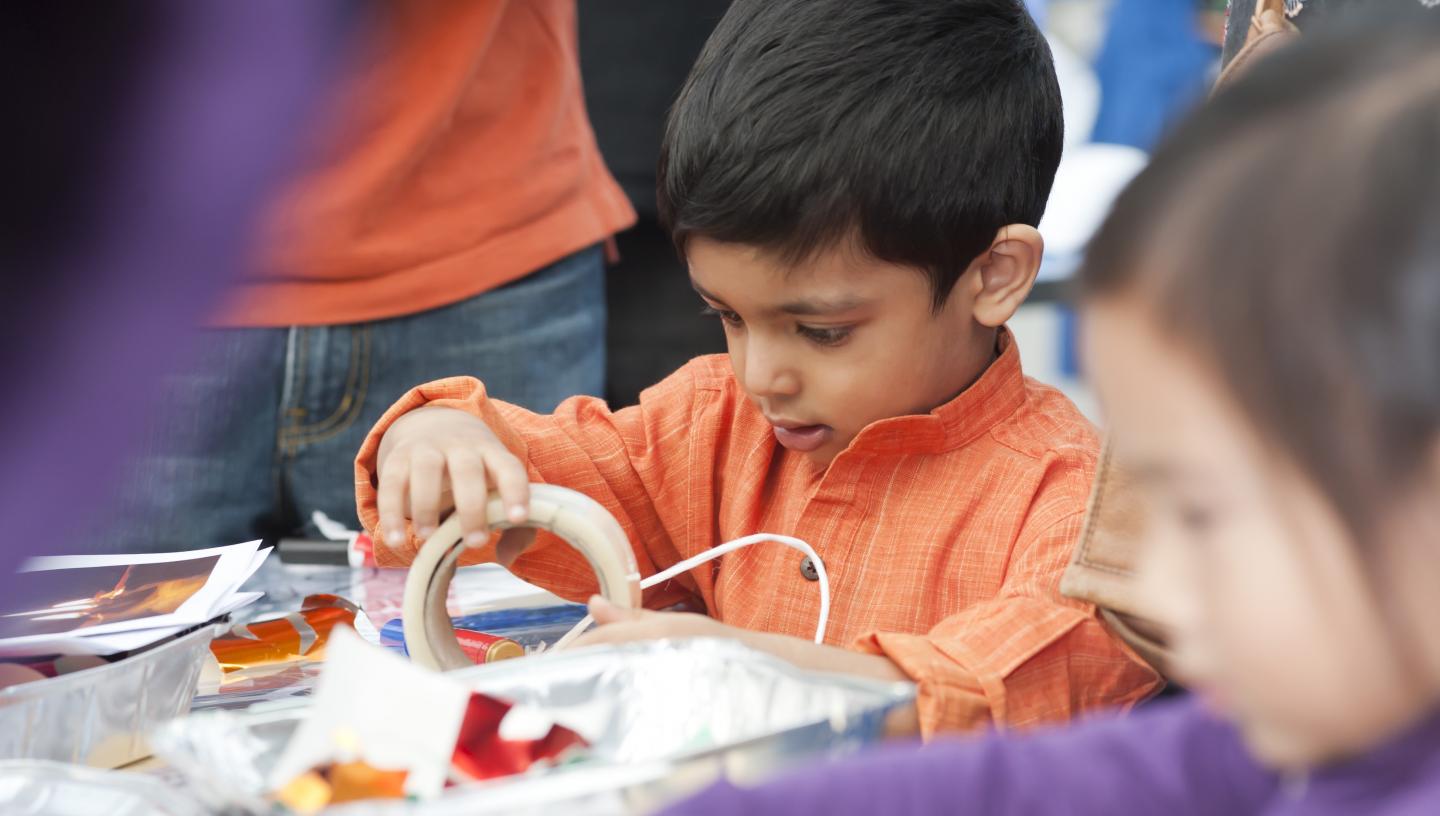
<point x="386" y="710"/>
<point x="131" y="628"/>
<point x="256" y="563"/>
<point x="116" y="642"/>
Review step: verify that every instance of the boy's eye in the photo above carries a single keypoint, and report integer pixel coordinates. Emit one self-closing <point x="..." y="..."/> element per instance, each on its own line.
<point x="826" y="336"/>
<point x="725" y="315"/>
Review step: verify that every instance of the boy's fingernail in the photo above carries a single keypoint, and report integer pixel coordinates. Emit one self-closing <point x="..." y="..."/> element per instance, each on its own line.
<point x="476" y="539"/>
<point x="394" y="538"/>
<point x="599" y="600"/>
<point x="425" y="532"/>
<point x="518" y="513"/>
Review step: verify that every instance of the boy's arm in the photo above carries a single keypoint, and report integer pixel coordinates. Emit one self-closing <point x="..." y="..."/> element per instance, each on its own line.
<point x="1029" y="656"/>
<point x="633" y="462"/>
<point x="1174" y="759"/>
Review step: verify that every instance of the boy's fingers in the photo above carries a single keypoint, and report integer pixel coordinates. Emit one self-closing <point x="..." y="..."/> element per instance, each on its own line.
<point x="512" y="481"/>
<point x="468" y="485"/>
<point x="390" y="500"/>
<point x="427" y="471"/>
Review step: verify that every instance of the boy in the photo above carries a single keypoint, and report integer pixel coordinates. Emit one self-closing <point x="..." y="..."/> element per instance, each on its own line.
<point x="854" y="185"/>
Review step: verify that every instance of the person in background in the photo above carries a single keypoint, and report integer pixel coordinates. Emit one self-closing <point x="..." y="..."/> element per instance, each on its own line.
<point x="452" y="220"/>
<point x="1262" y="321"/>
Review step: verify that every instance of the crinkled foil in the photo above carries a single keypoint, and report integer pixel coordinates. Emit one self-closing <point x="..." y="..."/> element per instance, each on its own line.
<point x="35" y="788"/>
<point x="101" y="716"/>
<point x="662" y="718"/>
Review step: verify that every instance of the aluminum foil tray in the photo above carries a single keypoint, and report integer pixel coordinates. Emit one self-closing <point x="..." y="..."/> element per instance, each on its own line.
<point x="39" y="788"/>
<point x="102" y="716"/>
<point x="671" y="715"/>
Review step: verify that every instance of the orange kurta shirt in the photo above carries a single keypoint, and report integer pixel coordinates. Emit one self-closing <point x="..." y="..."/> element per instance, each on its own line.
<point x="944" y="535"/>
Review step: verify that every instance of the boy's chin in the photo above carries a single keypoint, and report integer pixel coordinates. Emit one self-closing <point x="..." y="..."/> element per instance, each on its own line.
<point x="822" y="457"/>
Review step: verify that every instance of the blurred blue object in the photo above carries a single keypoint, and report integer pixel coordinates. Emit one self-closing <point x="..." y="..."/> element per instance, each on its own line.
<point x="1153" y="66"/>
<point x="1038" y="10"/>
<point x="530" y="627"/>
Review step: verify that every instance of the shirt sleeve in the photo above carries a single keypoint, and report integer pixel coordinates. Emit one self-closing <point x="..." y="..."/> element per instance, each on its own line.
<point x="1028" y="656"/>
<point x="1173" y="758"/>
<point x="633" y="462"/>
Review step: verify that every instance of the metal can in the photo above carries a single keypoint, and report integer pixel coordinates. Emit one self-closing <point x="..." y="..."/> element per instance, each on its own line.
<point x="484" y="648"/>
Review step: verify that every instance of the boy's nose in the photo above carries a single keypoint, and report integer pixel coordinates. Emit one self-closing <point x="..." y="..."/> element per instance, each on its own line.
<point x="767" y="375"/>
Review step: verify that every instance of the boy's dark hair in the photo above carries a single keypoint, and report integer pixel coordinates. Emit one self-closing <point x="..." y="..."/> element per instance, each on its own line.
<point x="1287" y="235"/>
<point x="918" y="128"/>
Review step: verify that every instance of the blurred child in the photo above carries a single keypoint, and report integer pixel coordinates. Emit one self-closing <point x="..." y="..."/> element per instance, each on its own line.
<point x="855" y="186"/>
<point x="1263" y="324"/>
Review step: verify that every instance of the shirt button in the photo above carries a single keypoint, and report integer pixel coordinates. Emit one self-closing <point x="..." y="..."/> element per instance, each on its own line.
<point x="807" y="569"/>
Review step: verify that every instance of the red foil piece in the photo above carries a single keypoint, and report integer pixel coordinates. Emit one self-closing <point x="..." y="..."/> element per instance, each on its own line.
<point x="480" y="753"/>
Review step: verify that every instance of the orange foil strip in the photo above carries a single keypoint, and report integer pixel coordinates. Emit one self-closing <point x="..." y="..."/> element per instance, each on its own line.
<point x="296" y="636"/>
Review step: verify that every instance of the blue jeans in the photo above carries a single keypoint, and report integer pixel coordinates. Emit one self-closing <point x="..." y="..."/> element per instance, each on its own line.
<point x="264" y="429"/>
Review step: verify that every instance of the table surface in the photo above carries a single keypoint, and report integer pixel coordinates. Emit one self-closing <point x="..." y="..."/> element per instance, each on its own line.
<point x="378" y="592"/>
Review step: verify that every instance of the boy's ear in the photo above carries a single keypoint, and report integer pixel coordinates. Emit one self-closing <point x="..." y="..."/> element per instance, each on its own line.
<point x="1005" y="273"/>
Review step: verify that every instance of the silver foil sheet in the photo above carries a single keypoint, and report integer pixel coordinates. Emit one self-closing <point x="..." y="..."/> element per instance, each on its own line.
<point x="663" y="718"/>
<point x="102" y="716"/>
<point x="39" y="788"/>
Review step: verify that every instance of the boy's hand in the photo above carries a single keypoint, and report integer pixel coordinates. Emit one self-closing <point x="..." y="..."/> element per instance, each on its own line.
<point x="433" y="459"/>
<point x="614" y="624"/>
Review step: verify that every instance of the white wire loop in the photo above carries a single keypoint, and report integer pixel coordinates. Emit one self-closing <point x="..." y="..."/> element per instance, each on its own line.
<point x="714" y="553"/>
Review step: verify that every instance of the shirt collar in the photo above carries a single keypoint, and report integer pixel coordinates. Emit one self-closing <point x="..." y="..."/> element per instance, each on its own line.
<point x="998" y="393"/>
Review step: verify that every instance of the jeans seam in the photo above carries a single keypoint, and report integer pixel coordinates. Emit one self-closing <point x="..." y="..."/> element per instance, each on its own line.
<point x="288" y="391"/>
<point x="311" y="436"/>
<point x="288" y="412"/>
<point x="344" y="407"/>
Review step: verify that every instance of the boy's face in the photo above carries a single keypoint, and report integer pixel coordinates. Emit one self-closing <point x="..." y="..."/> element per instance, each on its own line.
<point x="829" y="346"/>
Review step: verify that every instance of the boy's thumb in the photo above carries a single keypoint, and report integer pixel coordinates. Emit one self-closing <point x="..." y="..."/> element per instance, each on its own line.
<point x="605" y="612"/>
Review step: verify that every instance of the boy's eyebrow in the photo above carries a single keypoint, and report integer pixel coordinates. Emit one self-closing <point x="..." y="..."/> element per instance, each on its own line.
<point x="700" y="290"/>
<point x="814" y="306"/>
<point x="820" y="306"/>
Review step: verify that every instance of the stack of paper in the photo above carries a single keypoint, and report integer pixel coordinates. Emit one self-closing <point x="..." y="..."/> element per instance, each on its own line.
<point x="103" y="604"/>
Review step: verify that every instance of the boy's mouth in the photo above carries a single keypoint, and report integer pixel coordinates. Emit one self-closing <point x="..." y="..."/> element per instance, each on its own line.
<point x="802" y="438"/>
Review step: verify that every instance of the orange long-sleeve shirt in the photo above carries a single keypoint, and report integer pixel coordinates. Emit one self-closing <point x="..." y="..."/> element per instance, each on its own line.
<point x="456" y="157"/>
<point x="944" y="535"/>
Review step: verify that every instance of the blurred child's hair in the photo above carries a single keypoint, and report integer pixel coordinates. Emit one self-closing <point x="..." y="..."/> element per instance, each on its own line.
<point x="1289" y="236"/>
<point x="915" y="128"/>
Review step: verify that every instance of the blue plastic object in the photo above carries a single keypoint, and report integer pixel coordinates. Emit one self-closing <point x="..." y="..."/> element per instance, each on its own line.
<point x="530" y="627"/>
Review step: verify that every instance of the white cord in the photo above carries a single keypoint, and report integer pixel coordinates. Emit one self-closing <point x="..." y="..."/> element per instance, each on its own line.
<point x="714" y="553"/>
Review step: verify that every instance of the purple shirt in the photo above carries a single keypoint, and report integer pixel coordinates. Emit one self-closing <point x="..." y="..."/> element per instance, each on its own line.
<point x="1171" y="758"/>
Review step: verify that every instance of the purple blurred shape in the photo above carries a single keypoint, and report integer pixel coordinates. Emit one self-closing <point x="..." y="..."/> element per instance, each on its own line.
<point x="208" y="123"/>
